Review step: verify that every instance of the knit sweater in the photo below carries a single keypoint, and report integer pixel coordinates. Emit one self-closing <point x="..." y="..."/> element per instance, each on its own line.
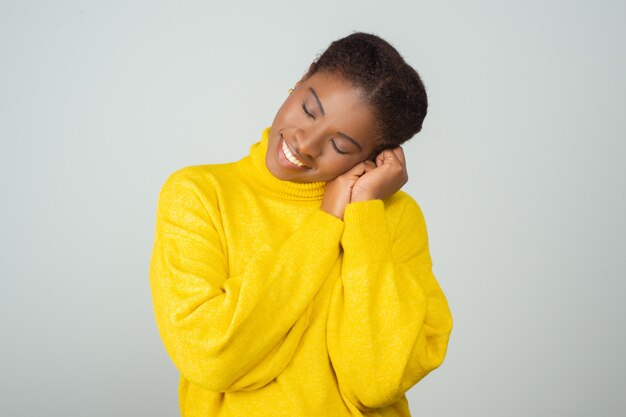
<point x="269" y="306"/>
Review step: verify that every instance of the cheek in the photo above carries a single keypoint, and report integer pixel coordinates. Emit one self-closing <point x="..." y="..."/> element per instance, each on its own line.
<point x="336" y="166"/>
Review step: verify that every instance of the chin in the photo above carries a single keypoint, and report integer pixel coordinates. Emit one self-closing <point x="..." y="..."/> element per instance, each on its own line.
<point x="276" y="172"/>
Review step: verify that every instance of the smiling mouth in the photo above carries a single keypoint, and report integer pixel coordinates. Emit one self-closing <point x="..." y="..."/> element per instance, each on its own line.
<point x="290" y="157"/>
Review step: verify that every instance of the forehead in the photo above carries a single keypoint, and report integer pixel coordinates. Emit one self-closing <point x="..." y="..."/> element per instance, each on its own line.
<point x="344" y="107"/>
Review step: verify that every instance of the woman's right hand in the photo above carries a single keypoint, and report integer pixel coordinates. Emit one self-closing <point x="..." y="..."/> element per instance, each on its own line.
<point x="338" y="191"/>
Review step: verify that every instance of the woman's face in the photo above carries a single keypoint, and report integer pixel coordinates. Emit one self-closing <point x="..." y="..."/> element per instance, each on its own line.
<point x="324" y="127"/>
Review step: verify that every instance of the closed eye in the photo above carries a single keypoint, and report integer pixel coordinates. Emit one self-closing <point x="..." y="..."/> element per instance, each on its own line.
<point x="307" y="112"/>
<point x="336" y="148"/>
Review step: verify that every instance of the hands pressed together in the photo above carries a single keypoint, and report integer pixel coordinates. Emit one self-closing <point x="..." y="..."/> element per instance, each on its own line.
<point x="366" y="181"/>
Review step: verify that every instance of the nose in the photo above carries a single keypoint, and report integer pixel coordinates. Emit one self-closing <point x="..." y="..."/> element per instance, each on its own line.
<point x="309" y="143"/>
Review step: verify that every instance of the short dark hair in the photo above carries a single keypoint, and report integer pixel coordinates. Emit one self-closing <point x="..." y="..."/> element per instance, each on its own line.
<point x="387" y="82"/>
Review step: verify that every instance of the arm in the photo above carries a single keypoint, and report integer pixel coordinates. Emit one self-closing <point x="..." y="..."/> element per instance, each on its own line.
<point x="389" y="321"/>
<point x="227" y="333"/>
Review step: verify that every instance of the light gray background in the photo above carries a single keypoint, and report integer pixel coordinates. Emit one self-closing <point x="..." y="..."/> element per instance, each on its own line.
<point x="519" y="171"/>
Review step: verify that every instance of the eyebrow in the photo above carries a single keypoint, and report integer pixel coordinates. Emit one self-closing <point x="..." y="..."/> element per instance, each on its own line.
<point x="319" y="103"/>
<point x="343" y="135"/>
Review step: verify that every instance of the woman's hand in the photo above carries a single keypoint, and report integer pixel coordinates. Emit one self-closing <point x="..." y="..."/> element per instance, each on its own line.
<point x="388" y="177"/>
<point x="366" y="181"/>
<point x="338" y="192"/>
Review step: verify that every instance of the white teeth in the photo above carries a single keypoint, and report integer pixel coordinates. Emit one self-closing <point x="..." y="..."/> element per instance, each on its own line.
<point x="290" y="156"/>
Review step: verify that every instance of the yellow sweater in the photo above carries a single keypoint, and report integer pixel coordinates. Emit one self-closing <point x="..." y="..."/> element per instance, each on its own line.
<point x="269" y="306"/>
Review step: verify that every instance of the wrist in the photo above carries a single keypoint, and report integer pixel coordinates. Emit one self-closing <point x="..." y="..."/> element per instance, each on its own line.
<point x="333" y="210"/>
<point x="362" y="197"/>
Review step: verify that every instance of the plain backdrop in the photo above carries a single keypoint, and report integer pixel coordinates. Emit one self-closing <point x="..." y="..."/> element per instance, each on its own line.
<point x="519" y="171"/>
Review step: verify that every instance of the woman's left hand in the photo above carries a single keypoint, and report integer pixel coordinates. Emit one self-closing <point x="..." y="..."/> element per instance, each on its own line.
<point x="388" y="177"/>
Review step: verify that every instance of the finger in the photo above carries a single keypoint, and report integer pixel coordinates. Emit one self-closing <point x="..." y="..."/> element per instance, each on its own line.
<point x="385" y="157"/>
<point x="370" y="166"/>
<point x="357" y="170"/>
<point x="395" y="156"/>
<point x="399" y="153"/>
<point x="380" y="158"/>
<point x="370" y="163"/>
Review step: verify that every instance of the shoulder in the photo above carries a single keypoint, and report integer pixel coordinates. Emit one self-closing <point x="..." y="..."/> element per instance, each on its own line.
<point x="195" y="186"/>
<point x="204" y="179"/>
<point x="406" y="219"/>
<point x="401" y="204"/>
<point x="200" y="174"/>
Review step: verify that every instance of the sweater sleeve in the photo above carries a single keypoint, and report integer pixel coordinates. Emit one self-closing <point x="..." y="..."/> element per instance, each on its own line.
<point x="229" y="333"/>
<point x="389" y="322"/>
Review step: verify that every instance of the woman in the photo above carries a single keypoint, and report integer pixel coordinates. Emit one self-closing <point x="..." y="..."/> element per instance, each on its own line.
<point x="297" y="281"/>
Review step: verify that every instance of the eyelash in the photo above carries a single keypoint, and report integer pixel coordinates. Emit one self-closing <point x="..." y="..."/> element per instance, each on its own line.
<point x="337" y="149"/>
<point x="306" y="111"/>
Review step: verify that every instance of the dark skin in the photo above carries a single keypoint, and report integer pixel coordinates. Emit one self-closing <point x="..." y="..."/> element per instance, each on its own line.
<point x="329" y="133"/>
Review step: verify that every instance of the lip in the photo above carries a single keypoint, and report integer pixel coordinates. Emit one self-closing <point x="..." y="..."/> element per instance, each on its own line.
<point x="282" y="159"/>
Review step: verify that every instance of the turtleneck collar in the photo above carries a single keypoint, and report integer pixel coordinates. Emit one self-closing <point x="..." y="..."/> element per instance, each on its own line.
<point x="255" y="170"/>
